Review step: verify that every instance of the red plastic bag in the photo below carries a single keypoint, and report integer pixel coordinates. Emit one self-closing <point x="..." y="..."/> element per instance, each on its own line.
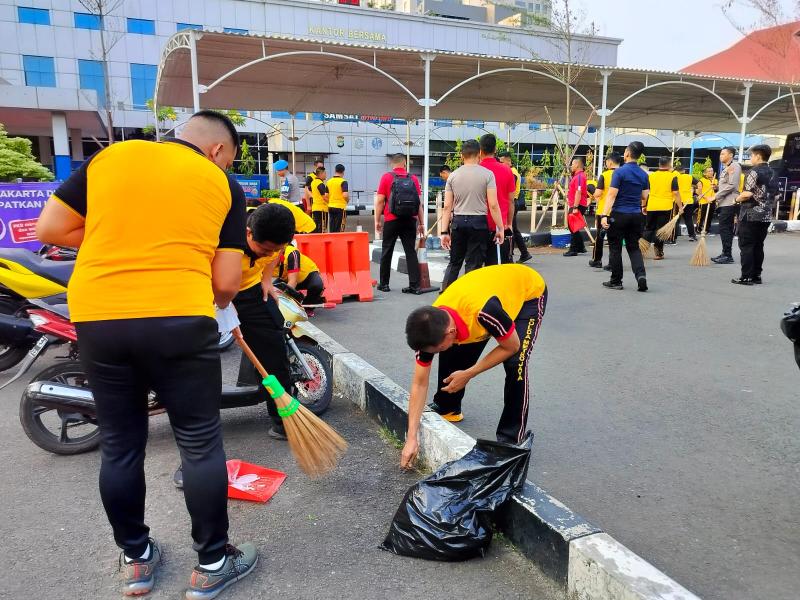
<point x="575" y="222"/>
<point x="252" y="482"/>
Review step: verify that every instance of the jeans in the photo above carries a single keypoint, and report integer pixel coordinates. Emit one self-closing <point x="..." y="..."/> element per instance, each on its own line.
<point x="597" y="252"/>
<point x="178" y="359"/>
<point x="337" y="218"/>
<point x="688" y="219"/>
<point x="576" y="238"/>
<point x="468" y="239"/>
<point x="752" y="235"/>
<point x="654" y="221"/>
<point x="516" y="391"/>
<point x="404" y="228"/>
<point x="725" y="215"/>
<point x="628" y="227"/>
<point x="321" y="220"/>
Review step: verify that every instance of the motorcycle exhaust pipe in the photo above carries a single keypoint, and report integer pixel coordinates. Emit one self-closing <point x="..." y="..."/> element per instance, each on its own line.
<point x="61" y="396"/>
<point x="15" y="330"/>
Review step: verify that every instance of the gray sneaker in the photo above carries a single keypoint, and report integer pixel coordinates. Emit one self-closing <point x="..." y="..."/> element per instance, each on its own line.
<point x="239" y="562"/>
<point x="138" y="577"/>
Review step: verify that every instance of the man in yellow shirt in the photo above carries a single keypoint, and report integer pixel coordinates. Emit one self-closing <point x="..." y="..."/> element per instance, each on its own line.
<point x="338" y="197"/>
<point x="302" y="273"/>
<point x="309" y="180"/>
<point x="613" y="161"/>
<point x="708" y="186"/>
<point x="319" y="200"/>
<point x="687" y="186"/>
<point x="664" y="195"/>
<point x="142" y="297"/>
<point x="506" y="302"/>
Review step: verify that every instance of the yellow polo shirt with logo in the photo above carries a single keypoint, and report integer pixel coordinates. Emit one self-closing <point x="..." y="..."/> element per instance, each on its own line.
<point x="686" y="185"/>
<point x="155" y="214"/>
<point x="318" y="190"/>
<point x="662" y="185"/>
<point x="337" y="186"/>
<point x="603" y="184"/>
<point x="253" y="268"/>
<point x="302" y="222"/>
<point x="293" y="261"/>
<point x="707" y="194"/>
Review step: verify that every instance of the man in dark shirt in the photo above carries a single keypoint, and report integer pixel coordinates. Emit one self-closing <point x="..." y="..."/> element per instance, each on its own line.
<point x="755" y="214"/>
<point x="623" y="218"/>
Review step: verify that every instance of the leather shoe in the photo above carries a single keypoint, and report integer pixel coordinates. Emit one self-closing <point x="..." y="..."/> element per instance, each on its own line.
<point x="596" y="264"/>
<point x="570" y="253"/>
<point x="383" y="288"/>
<point x="642" y="281"/>
<point x="742" y="281"/>
<point x="723" y="260"/>
<point x="612" y="286"/>
<point x="525" y="258"/>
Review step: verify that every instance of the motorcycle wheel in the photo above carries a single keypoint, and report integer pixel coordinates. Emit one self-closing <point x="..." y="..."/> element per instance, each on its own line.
<point x="225" y="341"/>
<point x="55" y="430"/>
<point x="315" y="394"/>
<point x="11" y="355"/>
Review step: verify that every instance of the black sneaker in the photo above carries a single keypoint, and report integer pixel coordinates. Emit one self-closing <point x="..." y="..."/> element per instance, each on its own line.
<point x="570" y="253"/>
<point x="410" y="290"/>
<point x="525" y="258"/>
<point x="742" y="281"/>
<point x="177" y="478"/>
<point x="138" y="576"/>
<point x="692" y="239"/>
<point x="757" y="280"/>
<point x="642" y="281"/>
<point x="383" y="288"/>
<point x="607" y="268"/>
<point x="723" y="260"/>
<point x="277" y="432"/>
<point x="612" y="286"/>
<point x="239" y="562"/>
<point x="596" y="264"/>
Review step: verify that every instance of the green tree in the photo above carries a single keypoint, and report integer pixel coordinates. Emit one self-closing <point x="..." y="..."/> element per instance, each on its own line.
<point x="17" y="160"/>
<point x="162" y="115"/>
<point x="699" y="167"/>
<point x="546" y="163"/>
<point x="236" y="117"/>
<point x="247" y="164"/>
<point x="642" y="160"/>
<point x="453" y="159"/>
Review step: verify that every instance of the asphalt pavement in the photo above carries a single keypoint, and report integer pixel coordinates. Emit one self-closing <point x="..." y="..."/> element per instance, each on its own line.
<point x="318" y="539"/>
<point x="668" y="418"/>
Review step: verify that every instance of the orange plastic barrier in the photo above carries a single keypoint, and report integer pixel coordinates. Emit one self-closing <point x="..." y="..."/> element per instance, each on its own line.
<point x="343" y="260"/>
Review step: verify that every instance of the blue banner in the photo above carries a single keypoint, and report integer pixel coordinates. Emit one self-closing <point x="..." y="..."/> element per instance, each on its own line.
<point x="20" y="206"/>
<point x="251" y="187"/>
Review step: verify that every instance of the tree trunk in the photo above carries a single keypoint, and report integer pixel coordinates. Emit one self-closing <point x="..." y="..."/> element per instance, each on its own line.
<point x="106" y="80"/>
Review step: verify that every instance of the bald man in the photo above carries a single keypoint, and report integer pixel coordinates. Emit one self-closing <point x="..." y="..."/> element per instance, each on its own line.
<point x="161" y="230"/>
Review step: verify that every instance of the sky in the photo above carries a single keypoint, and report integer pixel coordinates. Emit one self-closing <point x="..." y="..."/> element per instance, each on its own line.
<point x="668" y="34"/>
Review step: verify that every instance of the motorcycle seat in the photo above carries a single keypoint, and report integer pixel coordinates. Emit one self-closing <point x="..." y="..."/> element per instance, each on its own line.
<point x="54" y="270"/>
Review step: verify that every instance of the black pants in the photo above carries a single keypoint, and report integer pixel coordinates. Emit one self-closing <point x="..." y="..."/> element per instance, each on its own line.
<point x="314" y="286"/>
<point x="518" y="241"/>
<point x="688" y="219"/>
<point x="706" y="209"/>
<point x="725" y="216"/>
<point x="404" y="228"/>
<point x="597" y="253"/>
<point x="576" y="238"/>
<point x="654" y="221"/>
<point x="337" y="219"/>
<point x="262" y="330"/>
<point x="751" y="247"/>
<point x="516" y="392"/>
<point x="505" y="249"/>
<point x="321" y="220"/>
<point x="468" y="239"/>
<point x="178" y="359"/>
<point x="628" y="227"/>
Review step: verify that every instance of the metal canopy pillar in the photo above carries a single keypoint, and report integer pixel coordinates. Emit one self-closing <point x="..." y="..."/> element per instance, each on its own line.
<point x="426" y="102"/>
<point x="293" y="139"/>
<point x="195" y="82"/>
<point x="744" y="120"/>
<point x="408" y="145"/>
<point x="603" y="112"/>
<point x="672" y="151"/>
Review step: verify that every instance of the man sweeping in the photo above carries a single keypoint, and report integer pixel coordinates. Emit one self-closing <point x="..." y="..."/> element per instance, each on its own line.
<point x="506" y="302"/>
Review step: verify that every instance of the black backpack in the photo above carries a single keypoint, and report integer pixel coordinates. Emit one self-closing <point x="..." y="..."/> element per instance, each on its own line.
<point x="403" y="196"/>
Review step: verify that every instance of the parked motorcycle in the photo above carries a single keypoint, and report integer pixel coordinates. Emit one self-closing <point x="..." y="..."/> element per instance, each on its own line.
<point x="57" y="410"/>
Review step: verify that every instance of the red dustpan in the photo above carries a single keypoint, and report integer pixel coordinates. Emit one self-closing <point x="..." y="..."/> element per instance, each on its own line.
<point x="252" y="482"/>
<point x="575" y="222"/>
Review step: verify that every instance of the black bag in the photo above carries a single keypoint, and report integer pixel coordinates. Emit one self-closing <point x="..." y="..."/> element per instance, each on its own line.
<point x="448" y="515"/>
<point x="403" y="196"/>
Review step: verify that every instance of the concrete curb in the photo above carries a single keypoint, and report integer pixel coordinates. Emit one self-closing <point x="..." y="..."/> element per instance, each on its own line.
<point x="588" y="563"/>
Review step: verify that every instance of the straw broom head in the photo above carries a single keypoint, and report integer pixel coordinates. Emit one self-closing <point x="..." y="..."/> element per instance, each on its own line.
<point x="700" y="257"/>
<point x="667" y="231"/>
<point x="646" y="248"/>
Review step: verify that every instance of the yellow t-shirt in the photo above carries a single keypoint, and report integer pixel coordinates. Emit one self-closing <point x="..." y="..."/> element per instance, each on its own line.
<point x="292" y="261"/>
<point x="604" y="183"/>
<point x="662" y="185"/>
<point x="337" y="186"/>
<point x="707" y="194"/>
<point x="155" y="215"/>
<point x="686" y="187"/>
<point x="512" y="285"/>
<point x="518" y="179"/>
<point x="302" y="222"/>
<point x="318" y="190"/>
<point x="253" y="268"/>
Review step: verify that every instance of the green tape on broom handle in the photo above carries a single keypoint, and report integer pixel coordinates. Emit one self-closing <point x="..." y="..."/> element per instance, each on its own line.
<point x="276" y="390"/>
<point x="289" y="409"/>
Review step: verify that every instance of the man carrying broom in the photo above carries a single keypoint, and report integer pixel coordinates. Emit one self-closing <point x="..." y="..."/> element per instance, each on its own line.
<point x="506" y="302"/>
<point x="664" y="193"/>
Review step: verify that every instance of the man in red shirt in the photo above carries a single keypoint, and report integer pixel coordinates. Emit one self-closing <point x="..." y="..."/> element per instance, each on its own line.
<point x="506" y="190"/>
<point x="577" y="201"/>
<point x="392" y="201"/>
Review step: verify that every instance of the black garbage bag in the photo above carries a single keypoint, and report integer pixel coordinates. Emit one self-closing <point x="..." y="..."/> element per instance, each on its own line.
<point x="447" y="515"/>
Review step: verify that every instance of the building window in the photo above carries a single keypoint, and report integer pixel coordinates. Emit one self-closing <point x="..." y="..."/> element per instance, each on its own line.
<point x="277" y="114"/>
<point x="87" y="21"/>
<point x="234" y="30"/>
<point x="34" y="16"/>
<point x="40" y="71"/>
<point x="90" y="74"/>
<point x="143" y="83"/>
<point x="182" y="26"/>
<point x="142" y="26"/>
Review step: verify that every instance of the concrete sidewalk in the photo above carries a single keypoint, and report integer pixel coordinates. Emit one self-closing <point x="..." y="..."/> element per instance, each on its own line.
<point x="318" y="539"/>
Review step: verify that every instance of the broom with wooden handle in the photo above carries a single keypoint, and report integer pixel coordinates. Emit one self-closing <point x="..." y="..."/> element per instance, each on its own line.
<point x="667" y="231"/>
<point x="315" y="444"/>
<point x="700" y="257"/>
